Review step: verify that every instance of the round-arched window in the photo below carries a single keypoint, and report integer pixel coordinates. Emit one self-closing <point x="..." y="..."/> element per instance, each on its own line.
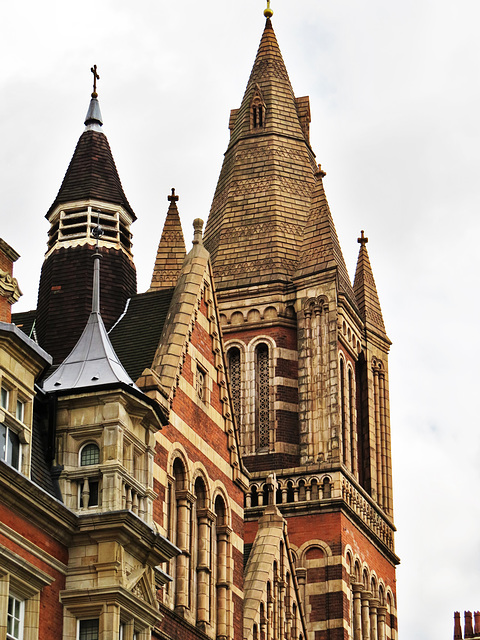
<point x="90" y="454"/>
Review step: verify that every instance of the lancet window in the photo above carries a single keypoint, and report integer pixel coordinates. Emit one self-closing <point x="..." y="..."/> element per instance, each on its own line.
<point x="262" y="396"/>
<point x="235" y="372"/>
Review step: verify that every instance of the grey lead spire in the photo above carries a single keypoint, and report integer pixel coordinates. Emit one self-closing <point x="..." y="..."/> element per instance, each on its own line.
<point x="93" y="119"/>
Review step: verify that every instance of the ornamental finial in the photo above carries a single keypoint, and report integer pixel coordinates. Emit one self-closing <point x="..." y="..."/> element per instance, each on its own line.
<point x="268" y="13"/>
<point x="95" y="78"/>
<point x="362" y="240"/>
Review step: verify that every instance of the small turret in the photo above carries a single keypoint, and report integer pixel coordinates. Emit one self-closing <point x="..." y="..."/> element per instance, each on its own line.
<point x="171" y="249"/>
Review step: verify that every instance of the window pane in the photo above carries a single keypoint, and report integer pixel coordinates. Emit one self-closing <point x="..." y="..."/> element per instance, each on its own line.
<point x="20" y="410"/>
<point x="3" y="441"/>
<point x="90" y="455"/>
<point x="14" y="618"/>
<point x="13" y="449"/>
<point x="4" y="398"/>
<point x="88" y="629"/>
<point x="93" y="497"/>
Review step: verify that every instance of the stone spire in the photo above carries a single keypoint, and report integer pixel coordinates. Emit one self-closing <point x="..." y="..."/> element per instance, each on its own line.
<point x="321" y="249"/>
<point x="263" y="194"/>
<point x="171" y="250"/>
<point x="366" y="292"/>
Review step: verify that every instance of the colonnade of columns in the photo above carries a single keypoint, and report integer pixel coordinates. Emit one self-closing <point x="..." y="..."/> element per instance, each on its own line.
<point x="369" y="615"/>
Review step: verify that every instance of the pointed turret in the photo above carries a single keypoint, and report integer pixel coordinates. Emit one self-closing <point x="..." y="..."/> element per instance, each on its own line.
<point x="366" y="292"/>
<point x="321" y="251"/>
<point x="263" y="194"/>
<point x="91" y="193"/>
<point x="171" y="250"/>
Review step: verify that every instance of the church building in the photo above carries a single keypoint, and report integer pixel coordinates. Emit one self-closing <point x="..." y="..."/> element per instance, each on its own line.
<point x="210" y="458"/>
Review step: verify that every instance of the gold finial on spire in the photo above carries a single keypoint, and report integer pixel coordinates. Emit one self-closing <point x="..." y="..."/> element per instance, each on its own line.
<point x="268" y="13"/>
<point x="95" y="78"/>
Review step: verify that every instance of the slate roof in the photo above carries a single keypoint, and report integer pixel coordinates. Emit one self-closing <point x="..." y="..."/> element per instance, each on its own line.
<point x="92" y="174"/>
<point x="25" y="320"/>
<point x="136" y="335"/>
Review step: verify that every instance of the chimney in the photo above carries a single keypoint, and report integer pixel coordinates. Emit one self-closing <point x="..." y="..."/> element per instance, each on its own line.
<point x="468" y="625"/>
<point x="457" y="627"/>
<point x="477" y="623"/>
<point x="9" y="289"/>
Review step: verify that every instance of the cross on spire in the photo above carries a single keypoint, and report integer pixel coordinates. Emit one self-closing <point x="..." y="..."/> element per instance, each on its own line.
<point x="173" y="197"/>
<point x="362" y="240"/>
<point x="95" y="78"/>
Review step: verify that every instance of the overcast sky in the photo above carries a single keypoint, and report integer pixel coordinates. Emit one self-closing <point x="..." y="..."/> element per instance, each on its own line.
<point x="395" y="101"/>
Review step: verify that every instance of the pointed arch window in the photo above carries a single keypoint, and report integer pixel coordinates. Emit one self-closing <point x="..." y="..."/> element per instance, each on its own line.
<point x="262" y="396"/>
<point x="257" y="111"/>
<point x="235" y="373"/>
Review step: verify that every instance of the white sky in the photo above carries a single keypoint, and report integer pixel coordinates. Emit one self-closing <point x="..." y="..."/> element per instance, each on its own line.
<point x="395" y="100"/>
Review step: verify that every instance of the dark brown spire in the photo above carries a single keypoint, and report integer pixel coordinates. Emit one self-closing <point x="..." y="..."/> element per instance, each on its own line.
<point x="92" y="174"/>
<point x="321" y="249"/>
<point x="171" y="250"/>
<point x="366" y="291"/>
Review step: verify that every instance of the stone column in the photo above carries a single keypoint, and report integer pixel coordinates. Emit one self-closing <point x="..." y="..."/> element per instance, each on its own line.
<point x="205" y="519"/>
<point x="373" y="619"/>
<point x="366" y="595"/>
<point x="357" y="610"/>
<point x="382" y="616"/>
<point x="223" y="584"/>
<point x="184" y="514"/>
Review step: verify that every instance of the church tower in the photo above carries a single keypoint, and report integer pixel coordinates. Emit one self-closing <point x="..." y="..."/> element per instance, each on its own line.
<point x="308" y="361"/>
<point x="91" y="193"/>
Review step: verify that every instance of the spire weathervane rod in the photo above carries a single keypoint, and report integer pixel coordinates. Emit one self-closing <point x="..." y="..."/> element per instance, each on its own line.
<point x="97" y="232"/>
<point x="268" y="13"/>
<point x="95" y="78"/>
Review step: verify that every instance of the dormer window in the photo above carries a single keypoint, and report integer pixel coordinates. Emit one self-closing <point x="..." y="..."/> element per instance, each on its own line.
<point x="257" y="116"/>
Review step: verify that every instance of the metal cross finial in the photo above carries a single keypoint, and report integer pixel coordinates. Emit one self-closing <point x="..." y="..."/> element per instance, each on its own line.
<point x="95" y="78"/>
<point x="362" y="240"/>
<point x="173" y="197"/>
<point x="268" y="13"/>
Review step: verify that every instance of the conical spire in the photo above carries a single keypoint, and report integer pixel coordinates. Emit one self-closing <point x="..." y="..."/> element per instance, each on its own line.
<point x="93" y="361"/>
<point x="171" y="250"/>
<point x="321" y="249"/>
<point x="366" y="292"/>
<point x="92" y="173"/>
<point x="263" y="193"/>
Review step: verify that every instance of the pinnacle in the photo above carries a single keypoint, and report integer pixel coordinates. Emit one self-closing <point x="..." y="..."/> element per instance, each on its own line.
<point x="171" y="249"/>
<point x="366" y="291"/>
<point x="321" y="249"/>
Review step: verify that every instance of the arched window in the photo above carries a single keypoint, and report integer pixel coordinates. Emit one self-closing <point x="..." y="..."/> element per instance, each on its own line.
<point x="343" y="411"/>
<point x="262" y="396"/>
<point x="90" y="454"/>
<point x="235" y="373"/>
<point x="327" y="488"/>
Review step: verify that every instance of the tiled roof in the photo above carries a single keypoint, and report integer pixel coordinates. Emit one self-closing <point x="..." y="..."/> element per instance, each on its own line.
<point x="171" y="250"/>
<point x="321" y="249"/>
<point x="263" y="193"/>
<point x="136" y="335"/>
<point x="92" y="174"/>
